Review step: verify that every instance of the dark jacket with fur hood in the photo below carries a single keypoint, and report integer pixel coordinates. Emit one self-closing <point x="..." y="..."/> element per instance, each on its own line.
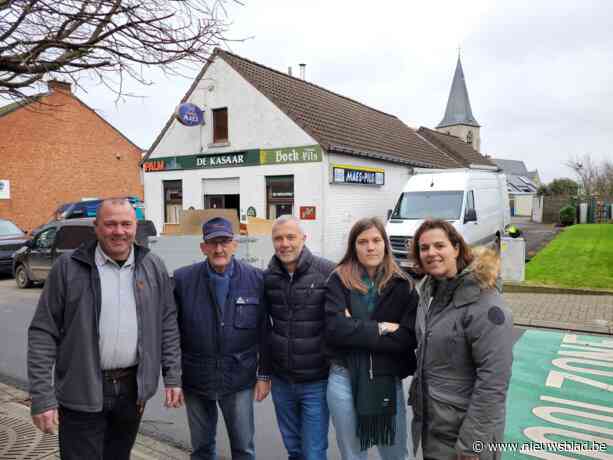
<point x="464" y="331"/>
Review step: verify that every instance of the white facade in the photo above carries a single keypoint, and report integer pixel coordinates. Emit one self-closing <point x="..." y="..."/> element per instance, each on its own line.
<point x="523" y="203"/>
<point x="254" y="122"/>
<point x="347" y="203"/>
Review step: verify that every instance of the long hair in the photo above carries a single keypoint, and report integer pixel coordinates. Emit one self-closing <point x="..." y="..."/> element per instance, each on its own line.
<point x="465" y="255"/>
<point x="350" y="270"/>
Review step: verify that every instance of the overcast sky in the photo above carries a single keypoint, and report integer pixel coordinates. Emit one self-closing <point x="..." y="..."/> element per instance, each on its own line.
<point x="539" y="74"/>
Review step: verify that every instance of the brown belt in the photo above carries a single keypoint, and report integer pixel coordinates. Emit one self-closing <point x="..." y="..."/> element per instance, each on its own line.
<point x="118" y="374"/>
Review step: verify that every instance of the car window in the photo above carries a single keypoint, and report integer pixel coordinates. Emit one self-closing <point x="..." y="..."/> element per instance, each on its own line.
<point x="9" y="228"/>
<point x="45" y="239"/>
<point x="71" y="237"/>
<point x="470" y="200"/>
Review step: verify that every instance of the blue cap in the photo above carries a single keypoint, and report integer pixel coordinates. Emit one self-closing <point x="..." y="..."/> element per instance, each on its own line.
<point x="216" y="227"/>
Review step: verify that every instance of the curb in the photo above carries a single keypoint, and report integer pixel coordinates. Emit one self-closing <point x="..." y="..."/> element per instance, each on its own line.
<point x="605" y="328"/>
<point x="15" y="402"/>
<point x="544" y="289"/>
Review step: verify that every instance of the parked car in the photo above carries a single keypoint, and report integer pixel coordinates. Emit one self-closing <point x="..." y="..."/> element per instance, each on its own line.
<point x="32" y="263"/>
<point x="11" y="239"/>
<point x="88" y="208"/>
<point x="476" y="202"/>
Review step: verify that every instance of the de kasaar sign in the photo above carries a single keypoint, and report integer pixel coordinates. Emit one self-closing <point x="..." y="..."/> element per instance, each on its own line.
<point x="189" y="114"/>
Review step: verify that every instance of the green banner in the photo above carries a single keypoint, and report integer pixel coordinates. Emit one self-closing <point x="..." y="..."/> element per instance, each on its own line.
<point x="217" y="160"/>
<point x="306" y="154"/>
<point x="560" y="402"/>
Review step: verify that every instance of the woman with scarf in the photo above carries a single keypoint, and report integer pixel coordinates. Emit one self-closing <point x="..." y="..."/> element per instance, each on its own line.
<point x="370" y="338"/>
<point x="464" y="331"/>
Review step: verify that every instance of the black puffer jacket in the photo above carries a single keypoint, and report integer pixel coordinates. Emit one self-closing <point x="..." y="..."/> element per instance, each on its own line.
<point x="296" y="306"/>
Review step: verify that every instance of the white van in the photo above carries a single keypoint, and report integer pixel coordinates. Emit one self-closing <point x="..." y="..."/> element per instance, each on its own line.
<point x="476" y="202"/>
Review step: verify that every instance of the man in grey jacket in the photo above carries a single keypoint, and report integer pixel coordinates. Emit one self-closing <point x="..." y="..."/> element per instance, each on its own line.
<point x="106" y="320"/>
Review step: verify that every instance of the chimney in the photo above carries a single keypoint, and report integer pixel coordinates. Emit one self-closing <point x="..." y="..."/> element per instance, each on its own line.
<point x="289" y="70"/>
<point x="60" y="86"/>
<point x="302" y="71"/>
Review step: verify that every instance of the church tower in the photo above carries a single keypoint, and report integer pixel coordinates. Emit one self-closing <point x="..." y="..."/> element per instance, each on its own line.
<point x="459" y="120"/>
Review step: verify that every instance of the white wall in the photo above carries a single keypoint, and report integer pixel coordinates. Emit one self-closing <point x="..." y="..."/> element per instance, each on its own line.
<point x="253" y="121"/>
<point x="523" y="205"/>
<point x="537" y="208"/>
<point x="348" y="203"/>
<point x="308" y="186"/>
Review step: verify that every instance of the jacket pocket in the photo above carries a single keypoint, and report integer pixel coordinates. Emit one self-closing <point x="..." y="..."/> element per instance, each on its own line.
<point x="241" y="369"/>
<point x="246" y="312"/>
<point x="445" y="414"/>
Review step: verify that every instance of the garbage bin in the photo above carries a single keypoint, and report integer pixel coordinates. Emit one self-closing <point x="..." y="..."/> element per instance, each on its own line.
<point x="513" y="259"/>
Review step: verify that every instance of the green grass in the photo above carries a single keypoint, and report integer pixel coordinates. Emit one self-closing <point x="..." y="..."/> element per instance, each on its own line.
<point x="581" y="256"/>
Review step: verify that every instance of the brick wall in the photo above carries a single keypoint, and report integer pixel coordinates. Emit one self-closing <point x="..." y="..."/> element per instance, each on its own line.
<point x="59" y="151"/>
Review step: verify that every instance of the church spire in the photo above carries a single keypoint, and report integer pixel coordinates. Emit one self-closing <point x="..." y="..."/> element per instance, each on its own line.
<point x="458" y="110"/>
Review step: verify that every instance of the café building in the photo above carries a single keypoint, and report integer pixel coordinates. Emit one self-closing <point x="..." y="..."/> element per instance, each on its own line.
<point x="266" y="143"/>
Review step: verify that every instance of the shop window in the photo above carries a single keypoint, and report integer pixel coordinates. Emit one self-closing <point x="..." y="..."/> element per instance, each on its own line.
<point x="220" y="125"/>
<point x="173" y="201"/>
<point x="222" y="202"/>
<point x="279" y="196"/>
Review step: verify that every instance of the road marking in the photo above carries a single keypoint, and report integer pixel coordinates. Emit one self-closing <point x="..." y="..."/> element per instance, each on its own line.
<point x="561" y="392"/>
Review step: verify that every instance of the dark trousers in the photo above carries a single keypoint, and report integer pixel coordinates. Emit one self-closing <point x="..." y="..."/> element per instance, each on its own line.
<point x="105" y="435"/>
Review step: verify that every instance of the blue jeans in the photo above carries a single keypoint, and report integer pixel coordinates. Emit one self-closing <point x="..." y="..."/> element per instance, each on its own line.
<point x="237" y="411"/>
<point x="342" y="410"/>
<point x="303" y="418"/>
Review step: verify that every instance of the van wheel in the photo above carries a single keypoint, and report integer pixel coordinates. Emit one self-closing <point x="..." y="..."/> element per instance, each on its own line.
<point x="22" y="279"/>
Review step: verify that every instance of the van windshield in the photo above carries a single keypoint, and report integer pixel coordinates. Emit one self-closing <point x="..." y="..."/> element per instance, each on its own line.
<point x="433" y="205"/>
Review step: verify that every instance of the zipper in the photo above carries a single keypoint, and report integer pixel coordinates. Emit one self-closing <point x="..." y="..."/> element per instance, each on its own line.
<point x="290" y="322"/>
<point x="370" y="370"/>
<point x="138" y="302"/>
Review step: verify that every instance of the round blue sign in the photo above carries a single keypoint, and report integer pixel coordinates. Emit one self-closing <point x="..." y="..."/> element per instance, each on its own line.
<point x="189" y="114"/>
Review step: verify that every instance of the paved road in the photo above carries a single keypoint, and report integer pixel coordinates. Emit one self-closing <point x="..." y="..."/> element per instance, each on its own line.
<point x="16" y="310"/>
<point x="17" y="307"/>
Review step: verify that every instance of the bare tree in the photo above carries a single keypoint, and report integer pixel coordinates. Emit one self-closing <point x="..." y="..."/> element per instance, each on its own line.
<point x="596" y="179"/>
<point x="111" y="39"/>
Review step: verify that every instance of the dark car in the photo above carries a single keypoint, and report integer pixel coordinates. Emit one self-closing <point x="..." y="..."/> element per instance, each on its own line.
<point x="11" y="239"/>
<point x="88" y="208"/>
<point x="32" y="263"/>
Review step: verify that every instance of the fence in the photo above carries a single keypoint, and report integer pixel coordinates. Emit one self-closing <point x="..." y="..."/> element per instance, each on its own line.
<point x="547" y="209"/>
<point x="180" y="250"/>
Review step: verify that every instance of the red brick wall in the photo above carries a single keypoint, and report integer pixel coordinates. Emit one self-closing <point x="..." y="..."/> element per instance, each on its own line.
<point x="61" y="151"/>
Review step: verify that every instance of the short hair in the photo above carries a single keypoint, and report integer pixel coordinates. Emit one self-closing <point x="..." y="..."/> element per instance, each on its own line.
<point x="287" y="218"/>
<point x="465" y="255"/>
<point x="113" y="201"/>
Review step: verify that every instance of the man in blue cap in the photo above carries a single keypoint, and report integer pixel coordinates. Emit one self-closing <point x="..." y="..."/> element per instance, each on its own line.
<point x="224" y="335"/>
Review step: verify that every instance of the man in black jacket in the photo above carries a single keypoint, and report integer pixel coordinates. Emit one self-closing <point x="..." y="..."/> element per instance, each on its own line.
<point x="295" y="291"/>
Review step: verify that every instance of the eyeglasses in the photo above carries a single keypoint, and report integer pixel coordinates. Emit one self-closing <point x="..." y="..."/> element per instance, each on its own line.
<point x="225" y="242"/>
